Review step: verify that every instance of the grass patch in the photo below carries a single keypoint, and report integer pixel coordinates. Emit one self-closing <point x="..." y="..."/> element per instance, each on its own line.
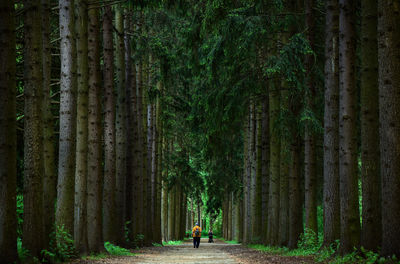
<point x="232" y="242"/>
<point x="116" y="250"/>
<point x="172" y="243"/>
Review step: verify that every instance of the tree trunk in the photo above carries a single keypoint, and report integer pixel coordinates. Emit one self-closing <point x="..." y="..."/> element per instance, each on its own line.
<point x="66" y="154"/>
<point x="284" y="178"/>
<point x="371" y="189"/>
<point x="331" y="126"/>
<point x="309" y="137"/>
<point x="95" y="167"/>
<point x="295" y="197"/>
<point x="8" y="140"/>
<point x="140" y="156"/>
<point x="33" y="238"/>
<point x="257" y="233"/>
<point x="171" y="214"/>
<point x="120" y="126"/>
<point x="247" y="180"/>
<point x="158" y="135"/>
<point x="265" y="167"/>
<point x="389" y="108"/>
<point x="348" y="165"/>
<point x="81" y="169"/>
<point x="50" y="176"/>
<point x="273" y="216"/>
<point x="109" y="227"/>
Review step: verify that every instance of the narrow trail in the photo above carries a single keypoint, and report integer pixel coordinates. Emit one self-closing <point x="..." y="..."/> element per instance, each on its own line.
<point x="217" y="253"/>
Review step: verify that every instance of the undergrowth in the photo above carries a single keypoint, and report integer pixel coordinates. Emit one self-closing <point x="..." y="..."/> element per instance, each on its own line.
<point x="116" y="250"/>
<point x="311" y="245"/>
<point x="172" y="243"/>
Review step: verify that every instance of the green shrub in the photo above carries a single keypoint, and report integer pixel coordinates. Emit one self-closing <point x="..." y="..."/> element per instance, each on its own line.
<point x="61" y="246"/>
<point x="23" y="253"/>
<point x="116" y="250"/>
<point x="172" y="243"/>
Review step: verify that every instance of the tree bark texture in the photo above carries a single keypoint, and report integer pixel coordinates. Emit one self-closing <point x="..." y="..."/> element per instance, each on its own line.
<point x="309" y="135"/>
<point x="50" y="170"/>
<point x="348" y="165"/>
<point x="120" y="126"/>
<point x="389" y="108"/>
<point x="370" y="169"/>
<point x="66" y="153"/>
<point x="95" y="166"/>
<point x="81" y="169"/>
<point x="331" y="125"/>
<point x="8" y="140"/>
<point x="273" y="207"/>
<point x="33" y="238"/>
<point x="109" y="217"/>
<point x="265" y="167"/>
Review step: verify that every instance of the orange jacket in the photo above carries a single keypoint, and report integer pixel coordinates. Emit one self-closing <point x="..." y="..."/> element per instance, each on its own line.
<point x="194" y="230"/>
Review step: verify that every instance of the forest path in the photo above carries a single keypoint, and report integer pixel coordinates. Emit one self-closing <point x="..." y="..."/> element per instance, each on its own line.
<point x="218" y="253"/>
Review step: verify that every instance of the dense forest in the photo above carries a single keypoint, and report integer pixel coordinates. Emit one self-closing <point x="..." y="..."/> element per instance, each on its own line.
<point x="127" y="121"/>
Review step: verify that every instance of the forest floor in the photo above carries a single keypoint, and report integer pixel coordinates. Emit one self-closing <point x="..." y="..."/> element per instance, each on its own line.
<point x="218" y="253"/>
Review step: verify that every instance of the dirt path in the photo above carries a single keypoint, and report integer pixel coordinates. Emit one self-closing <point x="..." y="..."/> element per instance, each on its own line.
<point x="217" y="253"/>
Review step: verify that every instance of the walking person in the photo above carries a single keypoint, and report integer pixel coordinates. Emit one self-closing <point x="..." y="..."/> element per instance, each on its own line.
<point x="210" y="237"/>
<point x="196" y="235"/>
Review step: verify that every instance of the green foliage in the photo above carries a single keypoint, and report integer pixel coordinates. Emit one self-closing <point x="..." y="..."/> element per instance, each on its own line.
<point x="139" y="239"/>
<point x="172" y="243"/>
<point x="20" y="214"/>
<point x="116" y="250"/>
<point x="309" y="241"/>
<point x="61" y="246"/>
<point x="23" y="253"/>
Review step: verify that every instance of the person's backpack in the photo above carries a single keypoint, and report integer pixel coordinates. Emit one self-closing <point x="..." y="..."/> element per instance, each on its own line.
<point x="197" y="232"/>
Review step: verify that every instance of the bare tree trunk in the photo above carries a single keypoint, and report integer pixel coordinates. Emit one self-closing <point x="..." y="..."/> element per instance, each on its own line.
<point x="284" y="178"/>
<point x="331" y="126"/>
<point x="389" y="98"/>
<point x="265" y="167"/>
<point x="295" y="196"/>
<point x="348" y="166"/>
<point x="171" y="214"/>
<point x="370" y="170"/>
<point x="273" y="216"/>
<point x="247" y="180"/>
<point x="33" y="238"/>
<point x="50" y="173"/>
<point x="309" y="135"/>
<point x="120" y="126"/>
<point x="95" y="167"/>
<point x="8" y="140"/>
<point x="81" y="169"/>
<point x="109" y="130"/>
<point x="66" y="153"/>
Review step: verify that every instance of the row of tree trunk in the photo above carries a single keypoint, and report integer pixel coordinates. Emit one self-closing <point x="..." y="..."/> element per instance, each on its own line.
<point x="280" y="180"/>
<point x="110" y="132"/>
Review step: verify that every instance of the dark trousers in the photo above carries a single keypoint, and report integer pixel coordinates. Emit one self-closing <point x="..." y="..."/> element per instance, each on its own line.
<point x="196" y="242"/>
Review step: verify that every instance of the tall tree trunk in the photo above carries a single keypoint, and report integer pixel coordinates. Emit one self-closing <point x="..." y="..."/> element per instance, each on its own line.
<point x="109" y="216"/>
<point x="310" y="176"/>
<point x="120" y="126"/>
<point x="331" y="125"/>
<point x="253" y="170"/>
<point x="140" y="160"/>
<point x="371" y="189"/>
<point x="50" y="176"/>
<point x="273" y="216"/>
<point x="33" y="238"/>
<point x="81" y="169"/>
<point x="8" y="140"/>
<point x="95" y="166"/>
<point x="257" y="230"/>
<point x="295" y="197"/>
<point x="265" y="167"/>
<point x="389" y="109"/>
<point x="66" y="154"/>
<point x="171" y="214"/>
<point x="284" y="178"/>
<point x="158" y="135"/>
<point x="348" y="165"/>
<point x="247" y="180"/>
